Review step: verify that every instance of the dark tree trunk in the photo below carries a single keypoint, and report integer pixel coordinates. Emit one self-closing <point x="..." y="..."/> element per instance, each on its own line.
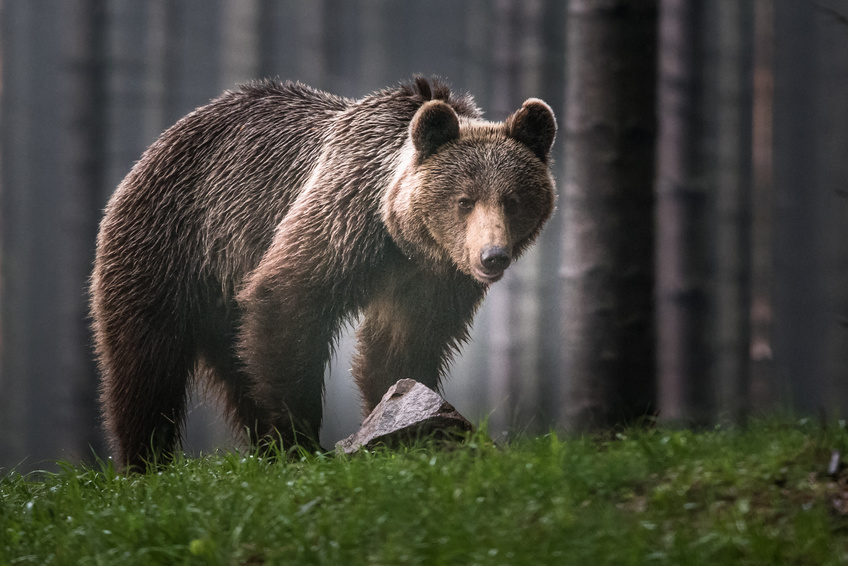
<point x="703" y="209"/>
<point x="810" y="165"/>
<point x="549" y="246"/>
<point x="607" y="200"/>
<point x="48" y="181"/>
<point x="832" y="181"/>
<point x="239" y="45"/>
<point x="285" y="30"/>
<point x="762" y="269"/>
<point x="731" y="90"/>
<point x="684" y="222"/>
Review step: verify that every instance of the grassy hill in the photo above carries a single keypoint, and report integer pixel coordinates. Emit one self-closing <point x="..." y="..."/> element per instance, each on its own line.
<point x="764" y="495"/>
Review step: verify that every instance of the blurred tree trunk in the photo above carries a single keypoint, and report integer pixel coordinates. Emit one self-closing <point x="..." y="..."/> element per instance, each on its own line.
<point x="551" y="90"/>
<point x="48" y="181"/>
<point x="799" y="304"/>
<point x="762" y="389"/>
<point x="833" y="72"/>
<point x="730" y="89"/>
<point x="684" y="223"/>
<point x="607" y="201"/>
<point x="703" y="209"/>
<point x="832" y="180"/>
<point x="239" y="45"/>
<point x="83" y="148"/>
<point x="793" y="54"/>
<point x="374" y="57"/>
<point x="193" y="70"/>
<point x="478" y="33"/>
<point x="291" y="41"/>
<point x="810" y="165"/>
<point x="341" y="44"/>
<point x="133" y="97"/>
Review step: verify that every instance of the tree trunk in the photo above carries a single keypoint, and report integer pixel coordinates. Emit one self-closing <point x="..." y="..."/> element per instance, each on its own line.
<point x="832" y="122"/>
<point x="47" y="185"/>
<point x="291" y="41"/>
<point x="731" y="90"/>
<point x="607" y="201"/>
<point x="762" y="269"/>
<point x="703" y="210"/>
<point x="810" y="148"/>
<point x="551" y="83"/>
<point x="683" y="220"/>
<point x="239" y="46"/>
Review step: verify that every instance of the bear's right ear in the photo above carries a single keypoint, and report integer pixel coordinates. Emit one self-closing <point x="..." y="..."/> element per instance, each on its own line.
<point x="434" y="125"/>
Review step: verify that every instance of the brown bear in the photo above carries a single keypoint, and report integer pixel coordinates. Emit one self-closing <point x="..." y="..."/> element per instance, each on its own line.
<point x="259" y="224"/>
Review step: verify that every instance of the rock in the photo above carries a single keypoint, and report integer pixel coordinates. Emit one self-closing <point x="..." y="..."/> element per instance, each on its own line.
<point x="408" y="410"/>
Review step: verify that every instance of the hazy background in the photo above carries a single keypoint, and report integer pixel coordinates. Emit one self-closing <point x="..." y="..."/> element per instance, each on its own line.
<point x="751" y="99"/>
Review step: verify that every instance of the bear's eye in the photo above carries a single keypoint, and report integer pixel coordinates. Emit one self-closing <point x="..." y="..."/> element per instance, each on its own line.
<point x="465" y="203"/>
<point x="512" y="203"/>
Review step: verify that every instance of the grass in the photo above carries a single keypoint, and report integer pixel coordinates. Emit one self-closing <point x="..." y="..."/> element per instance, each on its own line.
<point x="758" y="496"/>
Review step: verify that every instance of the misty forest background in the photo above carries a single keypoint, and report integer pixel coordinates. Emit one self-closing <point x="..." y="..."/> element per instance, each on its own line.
<point x="696" y="268"/>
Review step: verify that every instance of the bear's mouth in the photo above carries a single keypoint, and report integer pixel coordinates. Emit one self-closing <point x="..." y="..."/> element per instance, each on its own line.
<point x="489" y="265"/>
<point x="487" y="277"/>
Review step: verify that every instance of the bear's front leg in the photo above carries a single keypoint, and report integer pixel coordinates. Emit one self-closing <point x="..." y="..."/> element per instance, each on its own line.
<point x="413" y="325"/>
<point x="289" y="323"/>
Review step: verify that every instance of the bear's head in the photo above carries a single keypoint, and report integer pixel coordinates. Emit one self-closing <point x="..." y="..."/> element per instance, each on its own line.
<point x="472" y="193"/>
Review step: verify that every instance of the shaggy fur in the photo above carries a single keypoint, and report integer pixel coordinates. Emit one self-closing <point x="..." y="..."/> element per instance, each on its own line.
<point x="257" y="225"/>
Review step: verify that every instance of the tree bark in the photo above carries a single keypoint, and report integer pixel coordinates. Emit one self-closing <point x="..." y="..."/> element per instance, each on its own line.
<point x="762" y="269"/>
<point x="549" y="246"/>
<point x="608" y="356"/>
<point x="703" y="210"/>
<point x="799" y="304"/>
<point x="683" y="220"/>
<point x="810" y="148"/>
<point x="731" y="92"/>
<point x="48" y="183"/>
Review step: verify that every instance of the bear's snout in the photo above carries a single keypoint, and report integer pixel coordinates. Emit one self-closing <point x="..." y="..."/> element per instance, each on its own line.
<point x="492" y="262"/>
<point x="488" y="247"/>
<point x="495" y="259"/>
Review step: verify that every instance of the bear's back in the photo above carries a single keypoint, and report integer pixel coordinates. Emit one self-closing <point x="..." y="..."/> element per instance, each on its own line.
<point x="270" y="143"/>
<point x="225" y="174"/>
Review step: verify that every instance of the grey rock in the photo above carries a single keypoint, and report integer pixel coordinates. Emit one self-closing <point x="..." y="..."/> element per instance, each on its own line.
<point x="408" y="410"/>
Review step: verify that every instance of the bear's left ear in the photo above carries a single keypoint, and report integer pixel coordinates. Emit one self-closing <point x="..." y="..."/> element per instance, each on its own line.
<point x="534" y="126"/>
<point x="434" y="125"/>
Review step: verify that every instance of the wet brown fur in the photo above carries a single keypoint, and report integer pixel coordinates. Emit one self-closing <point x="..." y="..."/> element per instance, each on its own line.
<point x="257" y="225"/>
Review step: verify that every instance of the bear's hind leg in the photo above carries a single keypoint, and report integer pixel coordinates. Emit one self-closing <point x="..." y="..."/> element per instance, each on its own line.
<point x="229" y="378"/>
<point x="144" y="395"/>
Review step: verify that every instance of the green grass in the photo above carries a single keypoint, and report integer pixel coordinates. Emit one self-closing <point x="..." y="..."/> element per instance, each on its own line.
<point x="760" y="496"/>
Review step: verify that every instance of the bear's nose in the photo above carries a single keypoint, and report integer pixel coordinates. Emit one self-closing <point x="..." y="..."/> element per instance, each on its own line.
<point x="495" y="258"/>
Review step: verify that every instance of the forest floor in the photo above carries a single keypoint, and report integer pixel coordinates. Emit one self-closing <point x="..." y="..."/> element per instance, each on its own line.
<point x="771" y="493"/>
